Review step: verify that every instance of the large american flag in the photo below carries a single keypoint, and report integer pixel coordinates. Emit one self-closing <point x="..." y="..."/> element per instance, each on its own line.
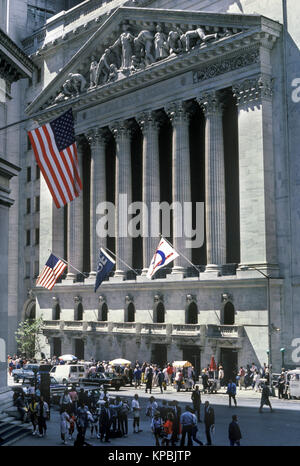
<point x="55" y="151"/>
<point x="51" y="272"/>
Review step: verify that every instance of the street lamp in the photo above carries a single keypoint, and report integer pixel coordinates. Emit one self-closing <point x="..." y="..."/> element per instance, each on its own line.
<point x="269" y="352"/>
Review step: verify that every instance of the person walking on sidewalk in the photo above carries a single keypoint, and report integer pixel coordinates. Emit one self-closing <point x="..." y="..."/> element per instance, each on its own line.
<point x="209" y="421"/>
<point x="135" y="406"/>
<point x="234" y="432"/>
<point x="231" y="391"/>
<point x="265" y="398"/>
<point x="187" y="422"/>
<point x="42" y="415"/>
<point x="196" y="399"/>
<point x="64" y="421"/>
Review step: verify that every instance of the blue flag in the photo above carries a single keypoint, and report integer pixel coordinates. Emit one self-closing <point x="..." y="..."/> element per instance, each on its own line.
<point x="105" y="264"/>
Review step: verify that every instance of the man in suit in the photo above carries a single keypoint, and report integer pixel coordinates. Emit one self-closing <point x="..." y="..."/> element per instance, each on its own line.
<point x="234" y="432"/>
<point x="196" y="399"/>
<point x="209" y="420"/>
<point x="104" y="422"/>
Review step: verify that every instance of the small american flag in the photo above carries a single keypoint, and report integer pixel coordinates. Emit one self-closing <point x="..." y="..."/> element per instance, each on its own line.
<point x="55" y="151"/>
<point x="51" y="272"/>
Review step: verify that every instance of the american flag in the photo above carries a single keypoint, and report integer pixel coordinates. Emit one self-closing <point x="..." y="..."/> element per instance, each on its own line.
<point x="55" y="151"/>
<point x="51" y="272"/>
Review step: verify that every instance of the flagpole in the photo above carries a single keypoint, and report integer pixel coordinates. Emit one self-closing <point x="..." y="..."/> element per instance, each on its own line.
<point x="121" y="260"/>
<point x="180" y="253"/>
<point x="64" y="260"/>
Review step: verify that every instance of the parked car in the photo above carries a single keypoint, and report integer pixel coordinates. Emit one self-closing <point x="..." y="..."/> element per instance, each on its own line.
<point x="27" y="372"/>
<point x="99" y="379"/>
<point x="69" y="373"/>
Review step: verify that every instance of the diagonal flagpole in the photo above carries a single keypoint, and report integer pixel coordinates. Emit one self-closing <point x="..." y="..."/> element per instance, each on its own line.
<point x="120" y="260"/>
<point x="64" y="260"/>
<point x="180" y="253"/>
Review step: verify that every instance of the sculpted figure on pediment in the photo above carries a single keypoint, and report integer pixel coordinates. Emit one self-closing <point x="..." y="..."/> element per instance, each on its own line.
<point x="174" y="42"/>
<point x="103" y="68"/>
<point x="199" y="35"/>
<point x="126" y="43"/>
<point x="93" y="71"/>
<point x="143" y="44"/>
<point x="113" y="73"/>
<point x="160" y="44"/>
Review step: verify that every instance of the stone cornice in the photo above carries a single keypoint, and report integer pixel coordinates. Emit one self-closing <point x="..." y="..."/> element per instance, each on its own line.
<point x="252" y="90"/>
<point x="15" y="56"/>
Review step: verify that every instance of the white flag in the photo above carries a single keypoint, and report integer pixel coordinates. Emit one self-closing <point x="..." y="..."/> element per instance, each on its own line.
<point x="164" y="254"/>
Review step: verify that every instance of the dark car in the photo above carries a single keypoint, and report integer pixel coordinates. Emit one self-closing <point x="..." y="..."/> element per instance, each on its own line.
<point x="99" y="379"/>
<point x="27" y="372"/>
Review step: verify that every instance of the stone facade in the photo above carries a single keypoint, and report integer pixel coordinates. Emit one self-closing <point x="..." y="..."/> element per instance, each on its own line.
<point x="196" y="81"/>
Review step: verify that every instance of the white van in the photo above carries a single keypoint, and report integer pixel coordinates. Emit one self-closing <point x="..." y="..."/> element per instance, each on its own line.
<point x="68" y="373"/>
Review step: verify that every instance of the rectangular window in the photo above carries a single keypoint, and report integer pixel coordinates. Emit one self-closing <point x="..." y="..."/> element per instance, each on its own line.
<point x="39" y="75"/>
<point x="37" y="236"/>
<point x="27" y="270"/>
<point x="29" y="146"/>
<point x="27" y="237"/>
<point x="36" y="269"/>
<point x="37" y="203"/>
<point x="28" y="206"/>
<point x="37" y="172"/>
<point x="28" y="177"/>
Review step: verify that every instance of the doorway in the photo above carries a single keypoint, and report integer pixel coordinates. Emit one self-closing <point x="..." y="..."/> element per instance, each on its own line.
<point x="159" y="355"/>
<point x="79" y="348"/>
<point x="56" y="347"/>
<point x="229" y="361"/>
<point x="193" y="355"/>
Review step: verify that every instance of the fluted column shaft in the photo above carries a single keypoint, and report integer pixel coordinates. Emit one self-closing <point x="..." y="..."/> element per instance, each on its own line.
<point x="123" y="195"/>
<point x="75" y="226"/>
<point x="214" y="182"/>
<point x="181" y="179"/>
<point x="97" y="140"/>
<point x="150" y="181"/>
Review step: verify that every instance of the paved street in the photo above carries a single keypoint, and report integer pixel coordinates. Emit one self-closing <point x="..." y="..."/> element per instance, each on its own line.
<point x="281" y="428"/>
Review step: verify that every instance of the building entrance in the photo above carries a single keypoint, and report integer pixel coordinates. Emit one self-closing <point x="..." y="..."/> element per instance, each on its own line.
<point x="159" y="355"/>
<point x="79" y="348"/>
<point x="193" y="355"/>
<point x="229" y="361"/>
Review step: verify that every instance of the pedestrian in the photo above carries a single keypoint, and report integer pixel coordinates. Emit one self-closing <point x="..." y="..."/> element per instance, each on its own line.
<point x="167" y="429"/>
<point x="21" y="404"/>
<point x="149" y="379"/>
<point x="221" y="375"/>
<point x="170" y="373"/>
<point x="256" y="381"/>
<point x="176" y="423"/>
<point x="231" y="391"/>
<point x="281" y="386"/>
<point x="196" y="399"/>
<point x="135" y="406"/>
<point x="123" y="417"/>
<point x="157" y="427"/>
<point x="265" y="398"/>
<point x="94" y="422"/>
<point x="137" y="373"/>
<point x="152" y="407"/>
<point x="242" y="374"/>
<point x="209" y="421"/>
<point x="82" y="417"/>
<point x="187" y="422"/>
<point x="64" y="421"/>
<point x="72" y="420"/>
<point x="164" y="411"/>
<point x="179" y="380"/>
<point x="195" y="428"/>
<point x="32" y="409"/>
<point x="160" y="380"/>
<point x="204" y="380"/>
<point x="65" y="402"/>
<point x="42" y="416"/>
<point x="234" y="432"/>
<point x="104" y="422"/>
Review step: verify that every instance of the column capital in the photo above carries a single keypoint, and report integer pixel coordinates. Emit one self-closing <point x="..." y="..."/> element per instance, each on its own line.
<point x="210" y="102"/>
<point x="97" y="136"/>
<point x="178" y="112"/>
<point x="120" y="129"/>
<point x="148" y="120"/>
<point x="253" y="89"/>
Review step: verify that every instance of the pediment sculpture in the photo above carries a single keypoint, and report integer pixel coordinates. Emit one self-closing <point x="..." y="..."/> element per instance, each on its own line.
<point x="132" y="52"/>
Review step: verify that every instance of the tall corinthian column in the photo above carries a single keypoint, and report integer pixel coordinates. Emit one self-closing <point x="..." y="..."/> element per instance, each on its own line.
<point x="181" y="179"/>
<point x="123" y="195"/>
<point x="151" y="186"/>
<point x="214" y="182"/>
<point x="75" y="224"/>
<point x="97" y="141"/>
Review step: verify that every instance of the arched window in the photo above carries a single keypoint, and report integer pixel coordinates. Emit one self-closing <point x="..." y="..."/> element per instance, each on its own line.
<point x="192" y="314"/>
<point x="160" y="313"/>
<point x="228" y="314"/>
<point x="56" y="313"/>
<point x="130" y="312"/>
<point x="104" y="312"/>
<point x="79" y="313"/>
